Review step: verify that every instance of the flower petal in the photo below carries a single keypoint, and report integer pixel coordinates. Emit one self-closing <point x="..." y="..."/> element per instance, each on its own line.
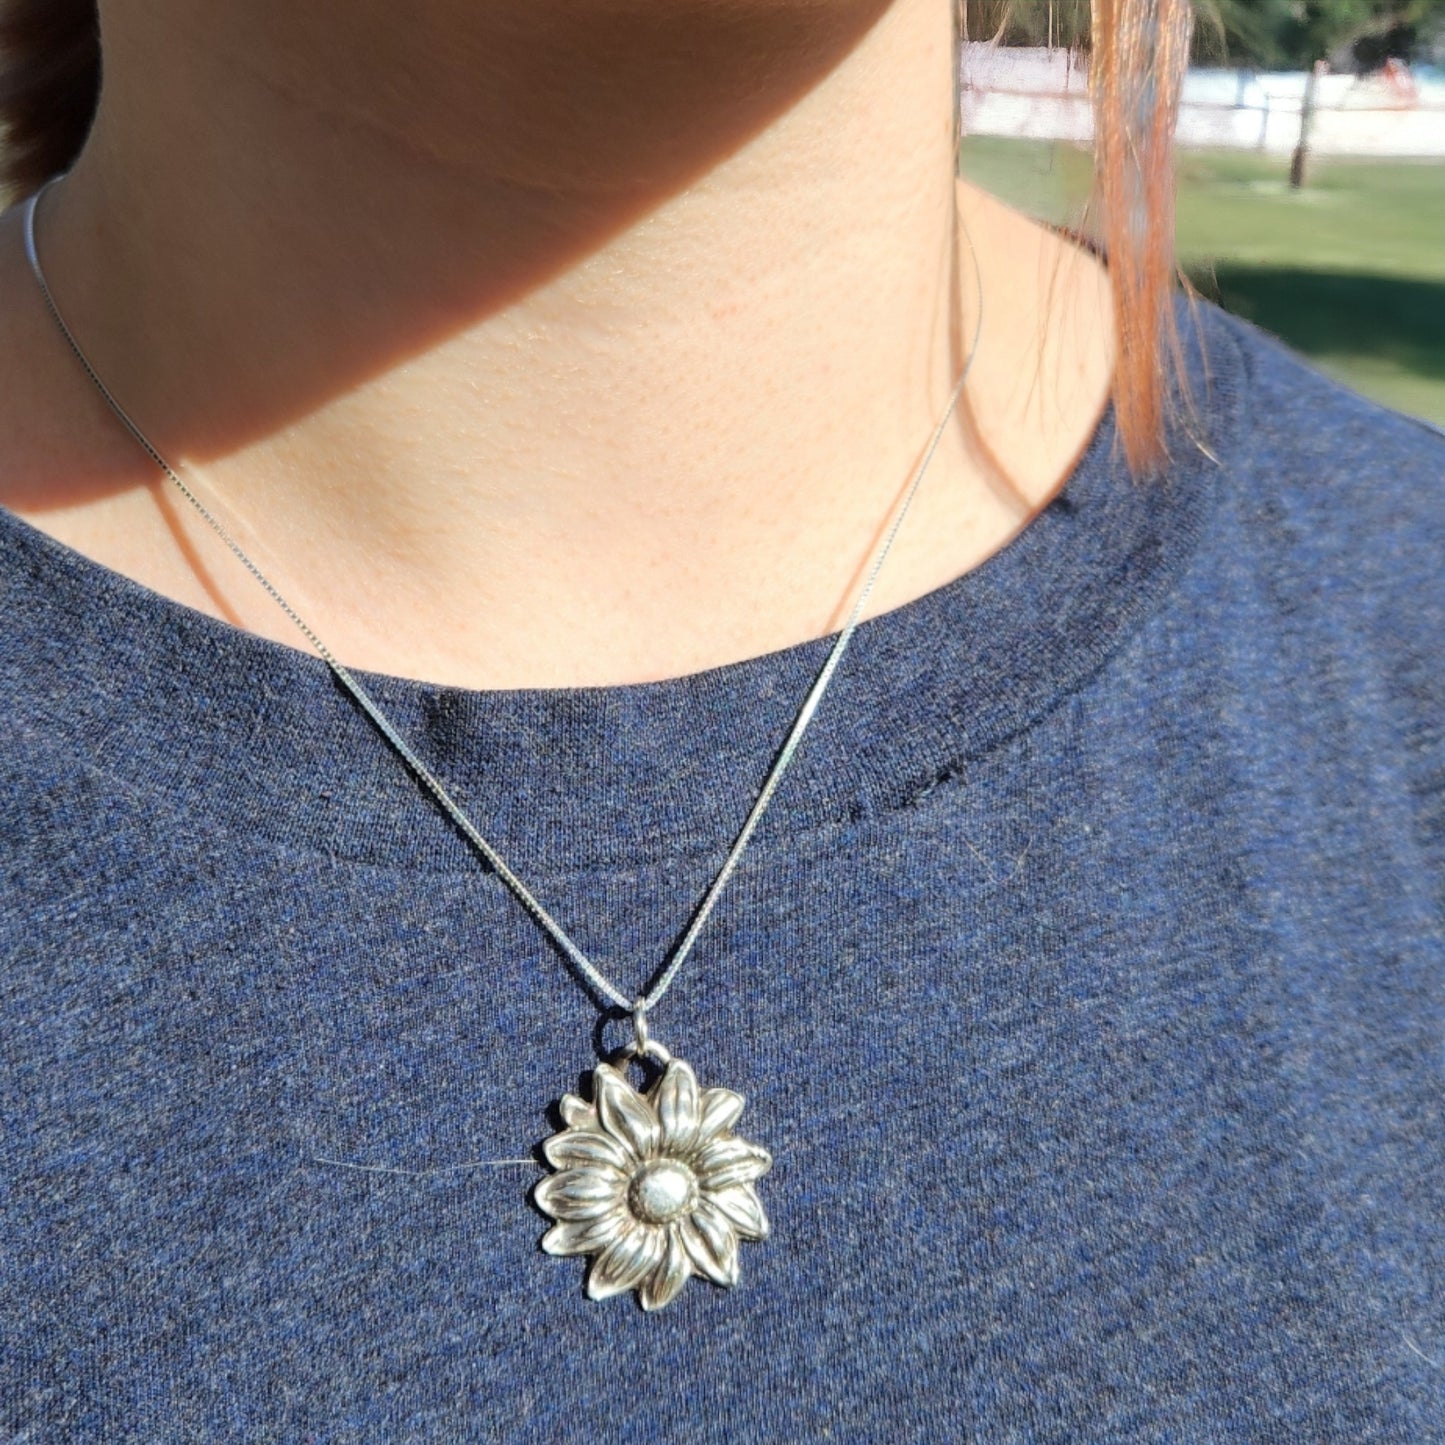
<point x="719" y="1112"/>
<point x="675" y="1099"/>
<point x="731" y="1161"/>
<point x="740" y="1203"/>
<point x="580" y="1193"/>
<point x="579" y="1148"/>
<point x="664" y="1282"/>
<point x="624" y="1113"/>
<point x="583" y="1236"/>
<point x="711" y="1243"/>
<point x="577" y="1113"/>
<point x="622" y="1265"/>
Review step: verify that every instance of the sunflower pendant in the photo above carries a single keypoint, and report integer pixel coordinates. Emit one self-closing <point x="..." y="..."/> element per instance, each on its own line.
<point x="655" y="1186"/>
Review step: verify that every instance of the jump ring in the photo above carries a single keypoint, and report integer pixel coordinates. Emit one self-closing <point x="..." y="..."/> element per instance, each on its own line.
<point x="642" y="1041"/>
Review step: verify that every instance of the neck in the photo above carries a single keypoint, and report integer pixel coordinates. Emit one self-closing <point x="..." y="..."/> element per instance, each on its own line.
<point x="619" y="326"/>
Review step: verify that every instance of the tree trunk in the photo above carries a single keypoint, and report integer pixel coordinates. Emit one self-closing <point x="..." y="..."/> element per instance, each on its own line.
<point x="1306" y="119"/>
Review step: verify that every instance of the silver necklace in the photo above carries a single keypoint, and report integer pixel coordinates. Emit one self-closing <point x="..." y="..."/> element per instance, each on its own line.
<point x="654" y="1184"/>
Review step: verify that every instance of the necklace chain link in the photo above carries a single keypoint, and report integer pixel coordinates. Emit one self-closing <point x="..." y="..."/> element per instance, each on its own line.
<point x="642" y="1005"/>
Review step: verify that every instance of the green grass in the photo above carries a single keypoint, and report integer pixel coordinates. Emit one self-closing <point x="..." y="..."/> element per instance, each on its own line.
<point x="1350" y="271"/>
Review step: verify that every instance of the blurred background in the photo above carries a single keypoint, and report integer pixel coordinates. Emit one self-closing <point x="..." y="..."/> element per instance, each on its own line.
<point x="1311" y="166"/>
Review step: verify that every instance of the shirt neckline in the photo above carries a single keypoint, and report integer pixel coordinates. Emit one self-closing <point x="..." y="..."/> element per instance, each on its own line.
<point x="258" y="737"/>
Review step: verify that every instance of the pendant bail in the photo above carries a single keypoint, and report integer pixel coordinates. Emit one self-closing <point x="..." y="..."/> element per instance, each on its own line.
<point x="642" y="1040"/>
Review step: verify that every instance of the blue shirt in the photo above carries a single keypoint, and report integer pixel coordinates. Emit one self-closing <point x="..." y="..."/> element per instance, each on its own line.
<point x="1085" y="980"/>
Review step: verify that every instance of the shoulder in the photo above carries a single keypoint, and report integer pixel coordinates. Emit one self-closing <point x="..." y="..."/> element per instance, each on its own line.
<point x="1344" y="479"/>
<point x="1331" y="507"/>
<point x="1321" y="581"/>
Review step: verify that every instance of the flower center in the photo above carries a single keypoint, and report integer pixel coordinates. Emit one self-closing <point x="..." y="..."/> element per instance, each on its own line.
<point x="661" y="1191"/>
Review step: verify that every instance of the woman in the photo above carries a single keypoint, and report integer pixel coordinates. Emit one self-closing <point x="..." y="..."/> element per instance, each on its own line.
<point x="564" y="368"/>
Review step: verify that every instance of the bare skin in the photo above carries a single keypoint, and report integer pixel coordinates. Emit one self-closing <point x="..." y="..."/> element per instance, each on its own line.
<point x="530" y="344"/>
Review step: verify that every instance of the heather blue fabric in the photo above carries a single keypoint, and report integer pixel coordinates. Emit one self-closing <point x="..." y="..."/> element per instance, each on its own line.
<point x="1085" y="979"/>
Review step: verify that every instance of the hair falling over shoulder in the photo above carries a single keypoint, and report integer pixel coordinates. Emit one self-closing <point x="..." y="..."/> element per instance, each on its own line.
<point x="50" y="69"/>
<point x="1136" y="53"/>
<point x="1139" y="51"/>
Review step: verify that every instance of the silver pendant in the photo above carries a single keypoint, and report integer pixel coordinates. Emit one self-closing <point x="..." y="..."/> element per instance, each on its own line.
<point x="655" y="1186"/>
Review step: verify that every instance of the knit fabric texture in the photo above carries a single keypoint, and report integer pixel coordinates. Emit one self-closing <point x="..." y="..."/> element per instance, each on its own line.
<point x="1085" y="979"/>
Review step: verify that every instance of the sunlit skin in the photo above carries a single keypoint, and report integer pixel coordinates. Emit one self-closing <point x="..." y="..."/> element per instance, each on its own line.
<point x="531" y="343"/>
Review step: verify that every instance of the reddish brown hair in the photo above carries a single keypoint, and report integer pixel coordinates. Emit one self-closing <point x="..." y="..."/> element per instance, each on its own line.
<point x="50" y="83"/>
<point x="1139" y="51"/>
